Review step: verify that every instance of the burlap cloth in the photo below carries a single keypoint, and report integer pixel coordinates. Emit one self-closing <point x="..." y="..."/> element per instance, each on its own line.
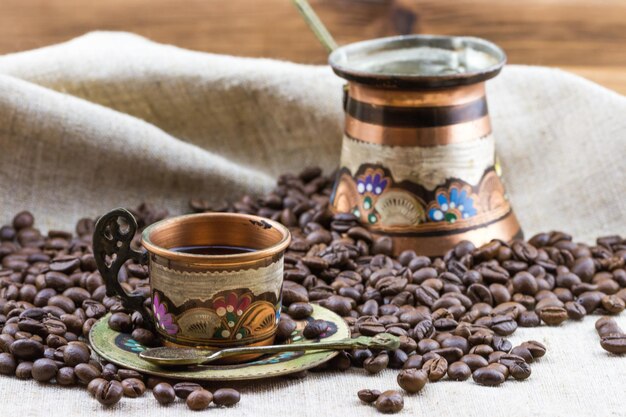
<point x="111" y="119"/>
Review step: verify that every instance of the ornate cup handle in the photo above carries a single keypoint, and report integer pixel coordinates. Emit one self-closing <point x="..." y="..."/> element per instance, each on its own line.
<point x="111" y="248"/>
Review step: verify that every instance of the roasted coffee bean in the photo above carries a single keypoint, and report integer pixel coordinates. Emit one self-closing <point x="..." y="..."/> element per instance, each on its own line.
<point x="368" y="395"/>
<point x="65" y="376"/>
<point x="612" y="338"/>
<point x="27" y="349"/>
<point x="488" y="376"/>
<point x="474" y="361"/>
<point x="459" y="371"/>
<point x="518" y="368"/>
<point x="537" y="350"/>
<point x="93" y="385"/>
<point x="164" y="393"/>
<point x="7" y="364"/>
<point x="299" y="310"/>
<point x="553" y="316"/>
<point x="183" y="389"/>
<point x="523" y="352"/>
<point x="109" y="393"/>
<point x="613" y="304"/>
<point x="285" y="328"/>
<point x="144" y="336"/>
<point x="575" y="311"/>
<point x="199" y="400"/>
<point x="76" y="353"/>
<point x="412" y="380"/>
<point x="375" y="364"/>
<point x="389" y="402"/>
<point x="226" y="397"/>
<point x="128" y="373"/>
<point x="121" y="322"/>
<point x="44" y="370"/>
<point x="133" y="387"/>
<point x="85" y="372"/>
<point x="436" y="368"/>
<point x="24" y="370"/>
<point x="314" y="329"/>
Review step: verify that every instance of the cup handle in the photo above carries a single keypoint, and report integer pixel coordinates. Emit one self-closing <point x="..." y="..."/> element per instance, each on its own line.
<point x="111" y="248"/>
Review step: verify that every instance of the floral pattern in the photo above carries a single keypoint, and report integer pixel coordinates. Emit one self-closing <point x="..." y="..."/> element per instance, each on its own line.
<point x="163" y="319"/>
<point x="453" y="204"/>
<point x="370" y="186"/>
<point x="372" y="183"/>
<point x="230" y="308"/>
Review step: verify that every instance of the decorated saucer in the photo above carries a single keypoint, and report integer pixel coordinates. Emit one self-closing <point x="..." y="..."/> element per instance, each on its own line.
<point x="122" y="350"/>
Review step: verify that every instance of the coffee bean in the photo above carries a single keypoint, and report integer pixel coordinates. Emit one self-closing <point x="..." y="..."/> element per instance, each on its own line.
<point x="183" y="389"/>
<point x="93" y="385"/>
<point x="488" y="376"/>
<point x="375" y="364"/>
<point x="575" y="311"/>
<point x="553" y="316"/>
<point x="389" y="402"/>
<point x="436" y="368"/>
<point x="8" y="364"/>
<point x="412" y="380"/>
<point x="518" y="368"/>
<point x="226" y="397"/>
<point x="459" y="371"/>
<point x="300" y="310"/>
<point x="199" y="400"/>
<point x="164" y="393"/>
<point x="314" y="329"/>
<point x="144" y="336"/>
<point x="121" y="322"/>
<point x="614" y="343"/>
<point x="65" y="376"/>
<point x="44" y="370"/>
<point x="536" y="349"/>
<point x="613" y="304"/>
<point x="128" y="373"/>
<point x="86" y="372"/>
<point x="368" y="395"/>
<point x="133" y="387"/>
<point x="23" y="220"/>
<point x="109" y="393"/>
<point x="27" y="349"/>
<point x="76" y="353"/>
<point x="474" y="361"/>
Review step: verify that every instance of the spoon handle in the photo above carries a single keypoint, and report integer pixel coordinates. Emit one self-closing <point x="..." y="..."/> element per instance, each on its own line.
<point x="332" y="345"/>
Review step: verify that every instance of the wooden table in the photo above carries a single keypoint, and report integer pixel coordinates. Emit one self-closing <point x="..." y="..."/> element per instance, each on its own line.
<point x="585" y="37"/>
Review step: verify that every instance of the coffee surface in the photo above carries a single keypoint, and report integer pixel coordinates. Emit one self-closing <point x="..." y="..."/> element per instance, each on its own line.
<point x="212" y="249"/>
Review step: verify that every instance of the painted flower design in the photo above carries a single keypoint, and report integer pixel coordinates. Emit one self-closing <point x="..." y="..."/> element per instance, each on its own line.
<point x="372" y="183"/>
<point x="163" y="319"/>
<point x="134" y="346"/>
<point x="231" y="307"/>
<point x="452" y="205"/>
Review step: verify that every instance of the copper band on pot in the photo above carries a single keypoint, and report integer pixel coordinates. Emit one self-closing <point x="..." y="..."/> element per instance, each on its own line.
<point x="429" y="136"/>
<point x="416" y="98"/>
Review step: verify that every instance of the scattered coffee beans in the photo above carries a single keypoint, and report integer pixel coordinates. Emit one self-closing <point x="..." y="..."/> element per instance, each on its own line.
<point x="455" y="309"/>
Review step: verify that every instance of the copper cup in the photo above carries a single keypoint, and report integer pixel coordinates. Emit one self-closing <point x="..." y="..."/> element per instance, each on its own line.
<point x="418" y="161"/>
<point x="205" y="301"/>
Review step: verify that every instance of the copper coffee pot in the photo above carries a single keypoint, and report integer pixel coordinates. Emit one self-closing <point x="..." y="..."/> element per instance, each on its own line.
<point x="418" y="160"/>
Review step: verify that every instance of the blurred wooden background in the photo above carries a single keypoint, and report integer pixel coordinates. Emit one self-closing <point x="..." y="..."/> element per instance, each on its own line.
<point x="584" y="36"/>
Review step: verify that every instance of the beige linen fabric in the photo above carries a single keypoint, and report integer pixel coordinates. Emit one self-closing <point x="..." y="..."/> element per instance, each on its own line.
<point x="111" y="119"/>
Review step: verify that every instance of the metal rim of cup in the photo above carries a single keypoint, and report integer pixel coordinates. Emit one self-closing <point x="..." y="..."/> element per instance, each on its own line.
<point x="255" y="255"/>
<point x="339" y="60"/>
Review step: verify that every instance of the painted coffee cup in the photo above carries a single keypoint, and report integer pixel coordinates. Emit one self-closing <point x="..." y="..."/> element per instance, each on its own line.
<point x="215" y="278"/>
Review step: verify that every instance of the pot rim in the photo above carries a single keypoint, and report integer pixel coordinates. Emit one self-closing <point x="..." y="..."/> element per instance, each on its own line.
<point x="339" y="60"/>
<point x="261" y="222"/>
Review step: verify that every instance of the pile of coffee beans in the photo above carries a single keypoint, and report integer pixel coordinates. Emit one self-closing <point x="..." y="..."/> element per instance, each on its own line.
<point x="452" y="313"/>
<point x="51" y="295"/>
